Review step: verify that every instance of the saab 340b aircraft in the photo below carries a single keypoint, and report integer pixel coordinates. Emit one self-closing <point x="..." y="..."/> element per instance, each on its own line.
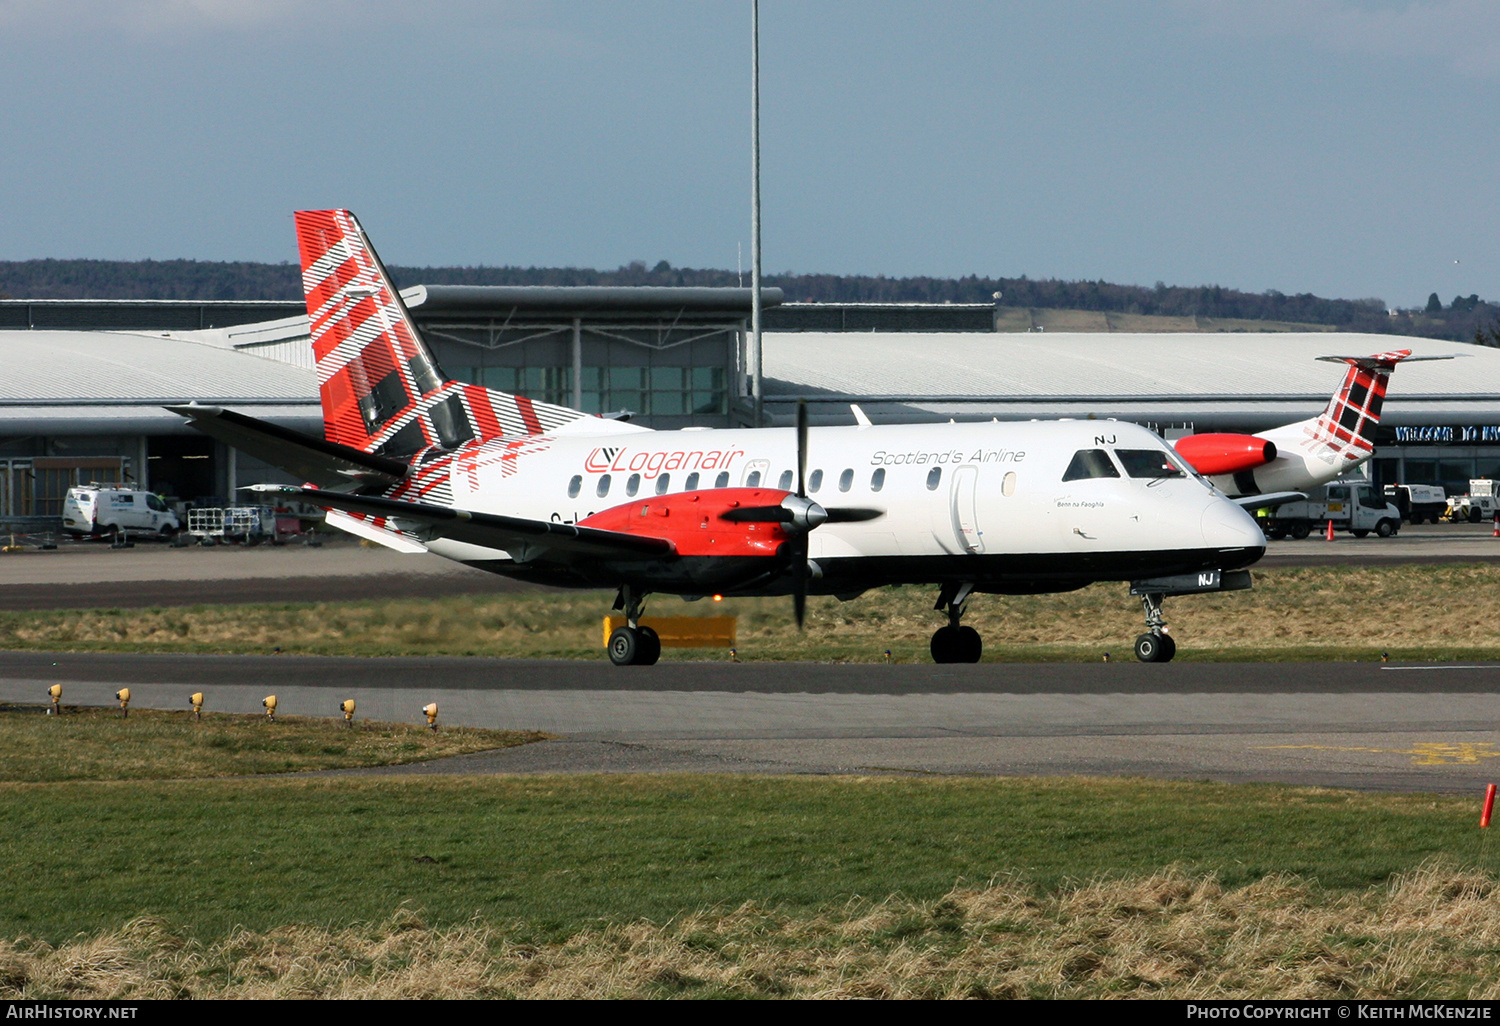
<point x="549" y="494"/>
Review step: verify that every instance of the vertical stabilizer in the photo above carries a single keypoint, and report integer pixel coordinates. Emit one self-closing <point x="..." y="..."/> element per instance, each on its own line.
<point x="381" y="390"/>
<point x="1344" y="433"/>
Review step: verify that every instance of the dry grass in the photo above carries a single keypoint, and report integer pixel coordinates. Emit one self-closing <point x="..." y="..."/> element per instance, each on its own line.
<point x="1309" y="613"/>
<point x="1432" y="933"/>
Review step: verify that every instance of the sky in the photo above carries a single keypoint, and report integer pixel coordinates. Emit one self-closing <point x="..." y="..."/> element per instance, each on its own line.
<point x="1341" y="147"/>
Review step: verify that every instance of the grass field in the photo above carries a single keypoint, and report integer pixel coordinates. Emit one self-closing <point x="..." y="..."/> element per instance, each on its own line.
<point x="145" y="869"/>
<point x="1339" y="613"/>
<point x="700" y="885"/>
<point x="100" y="744"/>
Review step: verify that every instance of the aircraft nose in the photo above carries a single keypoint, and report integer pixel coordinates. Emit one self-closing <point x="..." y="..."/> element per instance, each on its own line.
<point x="1228" y="526"/>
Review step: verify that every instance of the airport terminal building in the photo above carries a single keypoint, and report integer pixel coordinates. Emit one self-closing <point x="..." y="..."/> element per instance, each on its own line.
<point x="83" y="399"/>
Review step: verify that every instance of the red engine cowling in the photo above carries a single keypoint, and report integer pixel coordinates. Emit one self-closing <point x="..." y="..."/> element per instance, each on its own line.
<point x="1225" y="454"/>
<point x="693" y="521"/>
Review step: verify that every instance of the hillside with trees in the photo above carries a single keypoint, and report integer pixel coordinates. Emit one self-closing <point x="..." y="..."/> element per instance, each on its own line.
<point x="1464" y="318"/>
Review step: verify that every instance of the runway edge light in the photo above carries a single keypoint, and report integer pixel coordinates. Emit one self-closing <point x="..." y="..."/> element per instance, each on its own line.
<point x="430" y="711"/>
<point x="196" y="701"/>
<point x="55" y="694"/>
<point x="1489" y="805"/>
<point x="270" y="703"/>
<point x="123" y="697"/>
<point x="347" y="708"/>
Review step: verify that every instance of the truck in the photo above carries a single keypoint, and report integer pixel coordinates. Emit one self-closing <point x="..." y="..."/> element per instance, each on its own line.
<point x="92" y="510"/>
<point x="1480" y="504"/>
<point x="1352" y="506"/>
<point x="1418" y="502"/>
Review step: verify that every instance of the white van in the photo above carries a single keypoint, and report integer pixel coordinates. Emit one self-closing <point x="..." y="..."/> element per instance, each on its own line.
<point x="105" y="509"/>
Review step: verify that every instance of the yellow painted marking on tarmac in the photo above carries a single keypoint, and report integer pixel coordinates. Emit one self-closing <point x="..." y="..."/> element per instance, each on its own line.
<point x="1423" y="753"/>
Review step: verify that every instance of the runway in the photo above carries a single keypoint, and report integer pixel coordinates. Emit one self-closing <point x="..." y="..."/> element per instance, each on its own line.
<point x="1356" y="725"/>
<point x="1365" y="726"/>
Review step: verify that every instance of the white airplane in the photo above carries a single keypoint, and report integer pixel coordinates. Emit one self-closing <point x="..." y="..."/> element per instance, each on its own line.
<point x="549" y="494"/>
<point x="1280" y="464"/>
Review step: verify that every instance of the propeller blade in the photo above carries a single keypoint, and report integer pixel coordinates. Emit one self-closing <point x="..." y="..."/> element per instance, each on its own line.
<point x="802" y="448"/>
<point x="799" y="580"/>
<point x="758" y="515"/>
<point x="852" y="514"/>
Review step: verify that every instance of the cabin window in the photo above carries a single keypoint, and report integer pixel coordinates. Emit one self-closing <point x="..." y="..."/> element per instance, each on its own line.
<point x="1147" y="463"/>
<point x="632" y="484"/>
<point x="934" y="478"/>
<point x="753" y="481"/>
<point x="692" y="481"/>
<point x="846" y="479"/>
<point x="1008" y="484"/>
<point x="1090" y="463"/>
<point x="815" y="481"/>
<point x="663" y="483"/>
<point x="722" y="481"/>
<point x="574" y="486"/>
<point x="785" y="484"/>
<point x="877" y="480"/>
<point x="603" y="488"/>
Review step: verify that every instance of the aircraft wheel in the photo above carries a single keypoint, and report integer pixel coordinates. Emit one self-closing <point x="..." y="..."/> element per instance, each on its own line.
<point x="970" y="645"/>
<point x="945" y="646"/>
<point x="1155" y="648"/>
<point x="649" y="647"/>
<point x="624" y="646"/>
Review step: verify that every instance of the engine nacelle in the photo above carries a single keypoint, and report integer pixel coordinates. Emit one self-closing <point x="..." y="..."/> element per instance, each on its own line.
<point x="1225" y="454"/>
<point x="694" y="521"/>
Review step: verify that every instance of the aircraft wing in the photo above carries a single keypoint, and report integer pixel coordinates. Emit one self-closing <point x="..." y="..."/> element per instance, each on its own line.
<point x="1255" y="502"/>
<point x="524" y="539"/>
<point x="312" y="459"/>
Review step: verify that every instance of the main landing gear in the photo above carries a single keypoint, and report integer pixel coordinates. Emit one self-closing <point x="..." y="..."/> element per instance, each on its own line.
<point x="955" y="643"/>
<point x="1156" y="645"/>
<point x="632" y="644"/>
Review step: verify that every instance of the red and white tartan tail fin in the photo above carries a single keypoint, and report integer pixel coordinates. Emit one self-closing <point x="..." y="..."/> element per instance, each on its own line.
<point x="380" y="387"/>
<point x="1345" y="430"/>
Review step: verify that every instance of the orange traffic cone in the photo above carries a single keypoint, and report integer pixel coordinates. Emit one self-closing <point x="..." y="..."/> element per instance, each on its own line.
<point x="1497" y="525"/>
<point x="1329" y="536"/>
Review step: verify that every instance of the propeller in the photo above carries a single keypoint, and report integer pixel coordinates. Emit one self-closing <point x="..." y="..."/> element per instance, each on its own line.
<point x="801" y="515"/>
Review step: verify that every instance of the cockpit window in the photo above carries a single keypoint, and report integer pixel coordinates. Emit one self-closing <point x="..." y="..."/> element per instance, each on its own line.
<point x="1090" y="463"/>
<point x="1148" y="463"/>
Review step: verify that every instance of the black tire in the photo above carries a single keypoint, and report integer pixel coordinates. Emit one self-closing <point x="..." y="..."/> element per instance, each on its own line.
<point x="945" y="645"/>
<point x="1300" y="530"/>
<point x="650" y="647"/>
<point x="970" y="645"/>
<point x="1168" y="648"/>
<point x="1475" y="516"/>
<point x="1277" y="533"/>
<point x="1150" y="648"/>
<point x="1385" y="529"/>
<point x="1362" y="533"/>
<point x="624" y="646"/>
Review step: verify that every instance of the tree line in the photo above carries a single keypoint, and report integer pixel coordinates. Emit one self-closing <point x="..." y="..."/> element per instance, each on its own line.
<point x="1465" y="318"/>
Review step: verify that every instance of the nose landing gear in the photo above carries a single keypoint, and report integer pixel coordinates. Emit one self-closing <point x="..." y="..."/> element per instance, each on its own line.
<point x="955" y="643"/>
<point x="1156" y="645"/>
<point x="632" y="644"/>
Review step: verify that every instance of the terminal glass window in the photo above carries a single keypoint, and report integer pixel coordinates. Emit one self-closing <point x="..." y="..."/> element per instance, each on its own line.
<point x="1090" y="463"/>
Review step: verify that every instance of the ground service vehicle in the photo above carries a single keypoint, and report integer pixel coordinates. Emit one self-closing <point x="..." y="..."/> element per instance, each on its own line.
<point x="1480" y="504"/>
<point x="1352" y="506"/>
<point x="1418" y="502"/>
<point x="544" y="493"/>
<point x="107" y="509"/>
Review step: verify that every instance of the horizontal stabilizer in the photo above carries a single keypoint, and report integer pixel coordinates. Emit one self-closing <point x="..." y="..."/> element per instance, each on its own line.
<point x="327" y="464"/>
<point x="1254" y="502"/>
<point x="523" y="539"/>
